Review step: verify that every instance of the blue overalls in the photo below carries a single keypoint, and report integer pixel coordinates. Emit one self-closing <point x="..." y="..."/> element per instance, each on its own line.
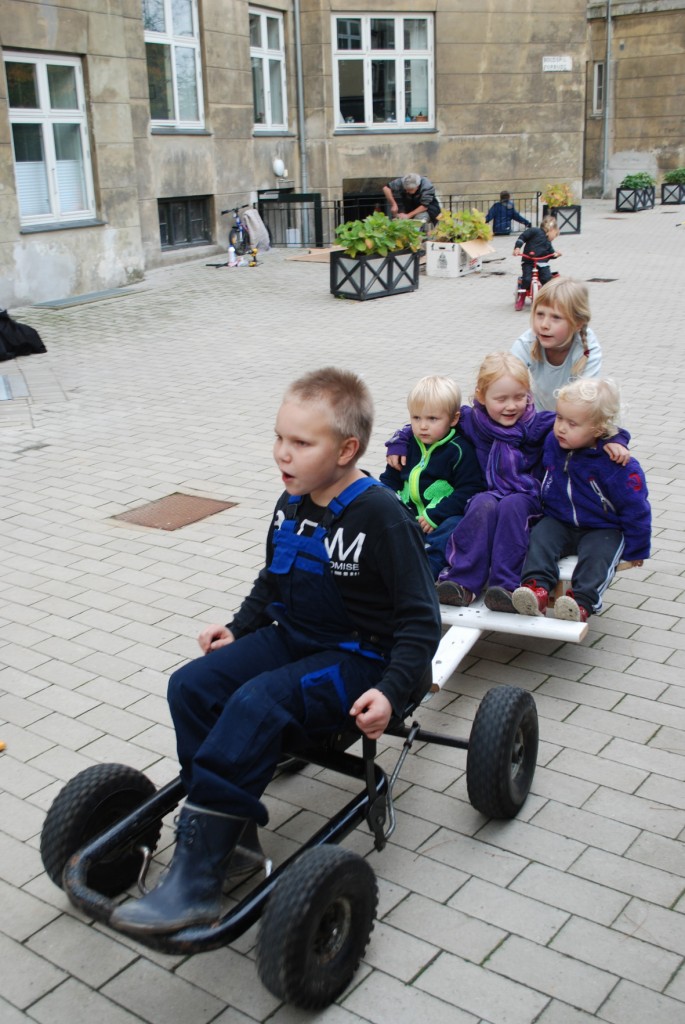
<point x="234" y="708"/>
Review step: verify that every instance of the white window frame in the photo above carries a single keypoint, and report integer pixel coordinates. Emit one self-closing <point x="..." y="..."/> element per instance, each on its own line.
<point x="47" y="117"/>
<point x="265" y="54"/>
<point x="598" y="87"/>
<point x="368" y="55"/>
<point x="174" y="42"/>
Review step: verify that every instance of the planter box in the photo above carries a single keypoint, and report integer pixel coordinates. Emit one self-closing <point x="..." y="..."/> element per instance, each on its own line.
<point x="567" y="217"/>
<point x="372" y="277"/>
<point x="454" y="259"/>
<point x="672" y="194"/>
<point x="630" y="200"/>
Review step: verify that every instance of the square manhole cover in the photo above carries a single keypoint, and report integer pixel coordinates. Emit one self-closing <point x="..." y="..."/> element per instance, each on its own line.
<point x="174" y="511"/>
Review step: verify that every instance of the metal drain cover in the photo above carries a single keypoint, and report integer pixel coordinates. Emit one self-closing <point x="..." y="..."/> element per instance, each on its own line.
<point x="174" y="511"/>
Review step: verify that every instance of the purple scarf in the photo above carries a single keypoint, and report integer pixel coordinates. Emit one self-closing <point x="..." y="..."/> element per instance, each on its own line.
<point x="508" y="469"/>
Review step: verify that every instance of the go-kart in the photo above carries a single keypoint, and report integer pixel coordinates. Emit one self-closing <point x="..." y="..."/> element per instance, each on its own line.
<point x="317" y="908"/>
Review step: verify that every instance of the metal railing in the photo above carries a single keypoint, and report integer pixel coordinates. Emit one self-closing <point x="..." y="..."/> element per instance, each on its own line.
<point x="305" y="220"/>
<point x="526" y="203"/>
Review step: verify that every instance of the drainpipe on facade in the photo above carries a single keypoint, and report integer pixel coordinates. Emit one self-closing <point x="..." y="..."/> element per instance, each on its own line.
<point x="301" y="130"/>
<point x="607" y="104"/>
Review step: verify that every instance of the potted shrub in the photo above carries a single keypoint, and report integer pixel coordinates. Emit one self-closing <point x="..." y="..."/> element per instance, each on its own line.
<point x="457" y="243"/>
<point x="379" y="257"/>
<point x="636" y="192"/>
<point x="557" y="200"/>
<point x="673" y="187"/>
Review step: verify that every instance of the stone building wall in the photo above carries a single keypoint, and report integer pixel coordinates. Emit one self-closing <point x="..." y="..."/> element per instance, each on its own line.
<point x="645" y="127"/>
<point x="510" y="94"/>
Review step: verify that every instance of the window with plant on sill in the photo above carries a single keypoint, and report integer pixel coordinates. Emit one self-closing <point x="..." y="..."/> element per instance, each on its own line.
<point x="383" y="71"/>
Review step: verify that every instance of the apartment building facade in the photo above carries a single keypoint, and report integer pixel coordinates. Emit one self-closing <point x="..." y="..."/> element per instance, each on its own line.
<point x="127" y="126"/>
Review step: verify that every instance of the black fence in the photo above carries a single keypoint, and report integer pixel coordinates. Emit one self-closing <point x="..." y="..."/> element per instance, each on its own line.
<point x="527" y="204"/>
<point x="305" y="220"/>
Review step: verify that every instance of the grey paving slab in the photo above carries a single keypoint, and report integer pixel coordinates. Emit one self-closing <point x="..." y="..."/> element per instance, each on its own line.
<point x="570" y="914"/>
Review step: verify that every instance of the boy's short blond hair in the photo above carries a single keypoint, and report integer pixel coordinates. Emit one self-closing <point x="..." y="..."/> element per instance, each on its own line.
<point x="548" y="224"/>
<point x="601" y="398"/>
<point x="347" y="396"/>
<point x="439" y="394"/>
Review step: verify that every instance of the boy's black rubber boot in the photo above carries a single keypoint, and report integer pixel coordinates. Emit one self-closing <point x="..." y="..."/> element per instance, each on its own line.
<point x="190" y="892"/>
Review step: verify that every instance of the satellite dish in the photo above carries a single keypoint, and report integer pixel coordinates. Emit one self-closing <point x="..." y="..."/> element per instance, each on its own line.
<point x="279" y="168"/>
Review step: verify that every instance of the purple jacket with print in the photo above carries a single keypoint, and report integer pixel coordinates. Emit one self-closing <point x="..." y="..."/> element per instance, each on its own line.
<point x="585" y="488"/>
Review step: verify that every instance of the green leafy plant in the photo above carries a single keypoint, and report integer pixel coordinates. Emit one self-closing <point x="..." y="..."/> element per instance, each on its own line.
<point x="559" y="194"/>
<point x="675" y="177"/>
<point x="641" y="179"/>
<point x="460" y="227"/>
<point x="377" y="235"/>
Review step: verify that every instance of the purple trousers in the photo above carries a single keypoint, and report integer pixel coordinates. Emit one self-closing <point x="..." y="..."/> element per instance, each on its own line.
<point x="490" y="543"/>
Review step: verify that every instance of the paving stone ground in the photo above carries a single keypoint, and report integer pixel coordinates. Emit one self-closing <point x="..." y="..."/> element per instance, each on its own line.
<point x="575" y="911"/>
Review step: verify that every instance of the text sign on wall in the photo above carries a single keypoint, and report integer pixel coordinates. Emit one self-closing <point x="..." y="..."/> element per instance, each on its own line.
<point x="557" y="63"/>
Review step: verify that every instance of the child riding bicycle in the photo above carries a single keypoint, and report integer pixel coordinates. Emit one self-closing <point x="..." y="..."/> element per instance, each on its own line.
<point x="535" y="247"/>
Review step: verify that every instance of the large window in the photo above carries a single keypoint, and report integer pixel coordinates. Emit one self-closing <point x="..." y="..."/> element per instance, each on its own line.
<point x="49" y="138"/>
<point x="174" y="74"/>
<point x="384" y="70"/>
<point x="267" y="54"/>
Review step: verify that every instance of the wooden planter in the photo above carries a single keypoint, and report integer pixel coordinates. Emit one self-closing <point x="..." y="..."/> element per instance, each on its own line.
<point x="672" y="195"/>
<point x="372" y="277"/>
<point x="567" y="217"/>
<point x="630" y="200"/>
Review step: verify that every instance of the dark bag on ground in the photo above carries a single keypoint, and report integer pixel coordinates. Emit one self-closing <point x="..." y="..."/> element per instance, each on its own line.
<point x="18" y="339"/>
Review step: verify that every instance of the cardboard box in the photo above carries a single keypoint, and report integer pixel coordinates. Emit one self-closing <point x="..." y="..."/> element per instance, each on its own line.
<point x="454" y="259"/>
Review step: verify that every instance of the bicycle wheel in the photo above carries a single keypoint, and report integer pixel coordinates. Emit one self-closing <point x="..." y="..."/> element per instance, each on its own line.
<point x="240" y="240"/>
<point x="534" y="287"/>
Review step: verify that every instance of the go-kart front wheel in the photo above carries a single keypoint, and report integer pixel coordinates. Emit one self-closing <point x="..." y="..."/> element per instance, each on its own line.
<point x="502" y="754"/>
<point x="90" y="803"/>
<point x="316" y="927"/>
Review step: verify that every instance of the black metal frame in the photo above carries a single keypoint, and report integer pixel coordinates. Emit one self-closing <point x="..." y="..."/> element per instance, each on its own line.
<point x="373" y="277"/>
<point x="632" y="200"/>
<point x="370" y="805"/>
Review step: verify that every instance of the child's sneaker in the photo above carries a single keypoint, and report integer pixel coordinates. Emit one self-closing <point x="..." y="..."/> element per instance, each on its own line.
<point x="568" y="608"/>
<point x="520" y="300"/>
<point x="453" y="593"/>
<point x="497" y="599"/>
<point x="529" y="599"/>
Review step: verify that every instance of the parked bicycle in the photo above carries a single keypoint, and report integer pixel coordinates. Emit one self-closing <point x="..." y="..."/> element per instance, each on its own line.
<point x="238" y="235"/>
<point x="520" y="295"/>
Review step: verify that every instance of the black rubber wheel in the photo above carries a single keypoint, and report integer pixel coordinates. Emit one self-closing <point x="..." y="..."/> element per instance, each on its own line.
<point x="316" y="927"/>
<point x="94" y="800"/>
<point x="503" y="749"/>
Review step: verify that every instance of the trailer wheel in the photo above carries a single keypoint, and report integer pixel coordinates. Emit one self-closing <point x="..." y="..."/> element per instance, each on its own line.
<point x="316" y="927"/>
<point x="502" y="753"/>
<point x="90" y="803"/>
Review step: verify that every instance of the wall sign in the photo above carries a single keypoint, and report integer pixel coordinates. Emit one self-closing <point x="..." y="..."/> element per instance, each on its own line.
<point x="557" y="63"/>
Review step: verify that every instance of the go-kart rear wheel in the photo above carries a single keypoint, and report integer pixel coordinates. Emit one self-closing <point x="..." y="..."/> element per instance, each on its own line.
<point x="91" y="802"/>
<point x="502" y="753"/>
<point x="316" y="927"/>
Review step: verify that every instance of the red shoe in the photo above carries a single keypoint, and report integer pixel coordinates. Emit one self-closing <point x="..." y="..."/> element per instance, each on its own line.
<point x="529" y="599"/>
<point x="568" y="608"/>
<point x="520" y="301"/>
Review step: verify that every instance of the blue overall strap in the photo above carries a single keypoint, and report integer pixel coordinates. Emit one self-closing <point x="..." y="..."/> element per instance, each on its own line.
<point x="292" y="506"/>
<point x="338" y="504"/>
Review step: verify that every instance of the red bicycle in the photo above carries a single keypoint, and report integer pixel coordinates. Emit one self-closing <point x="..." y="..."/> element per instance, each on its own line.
<point x="520" y="295"/>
